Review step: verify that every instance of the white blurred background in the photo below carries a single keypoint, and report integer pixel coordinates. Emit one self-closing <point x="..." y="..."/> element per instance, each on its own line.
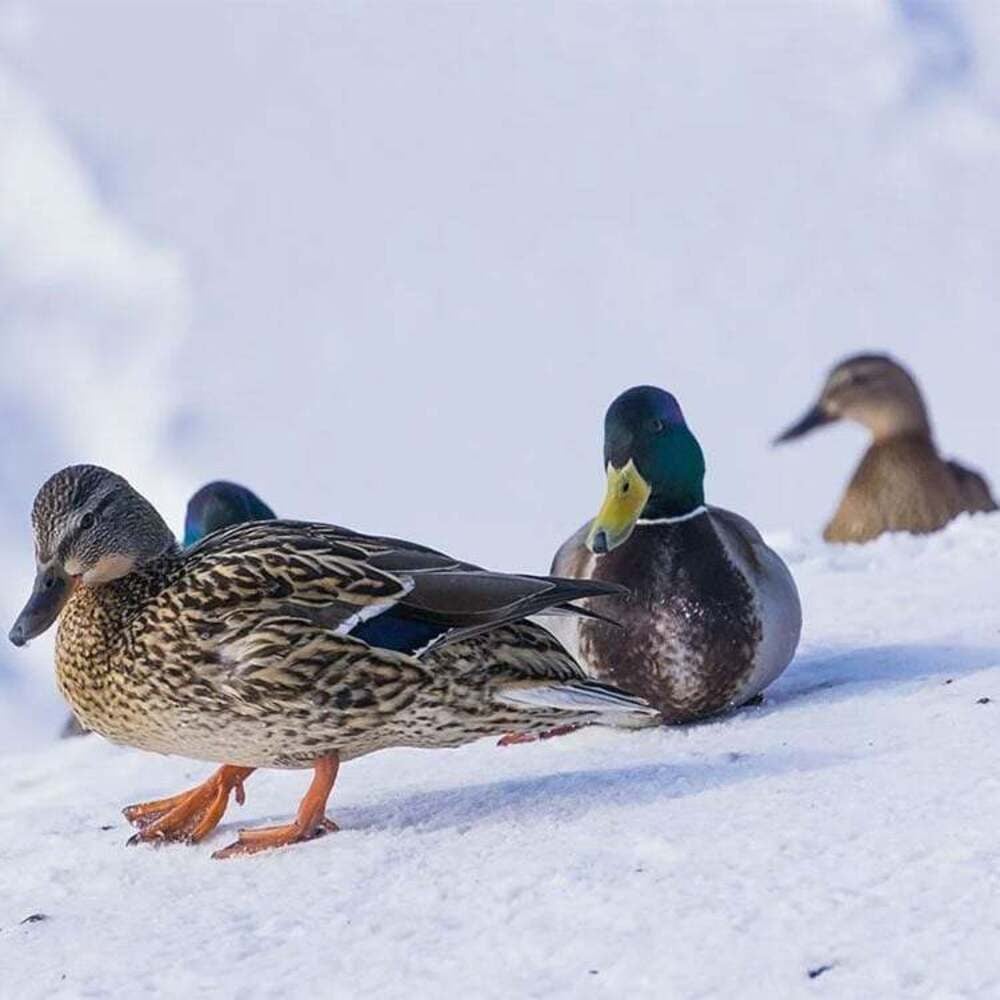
<point x="387" y="263"/>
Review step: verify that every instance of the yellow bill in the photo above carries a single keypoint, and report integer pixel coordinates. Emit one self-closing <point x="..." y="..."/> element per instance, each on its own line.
<point x="623" y="505"/>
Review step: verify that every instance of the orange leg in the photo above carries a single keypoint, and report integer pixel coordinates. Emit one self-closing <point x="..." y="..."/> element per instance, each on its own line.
<point x="192" y="815"/>
<point x="513" y="738"/>
<point x="309" y="822"/>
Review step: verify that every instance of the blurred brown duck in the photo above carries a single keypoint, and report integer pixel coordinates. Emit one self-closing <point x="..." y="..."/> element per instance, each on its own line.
<point x="902" y="483"/>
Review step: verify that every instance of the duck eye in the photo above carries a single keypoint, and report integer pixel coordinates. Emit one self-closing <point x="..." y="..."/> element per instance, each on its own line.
<point x="656" y="425"/>
<point x="87" y="521"/>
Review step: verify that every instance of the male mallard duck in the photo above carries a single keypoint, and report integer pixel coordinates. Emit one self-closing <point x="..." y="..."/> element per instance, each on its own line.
<point x="216" y="505"/>
<point x="287" y="644"/>
<point x="712" y="615"/>
<point x="902" y="483"/>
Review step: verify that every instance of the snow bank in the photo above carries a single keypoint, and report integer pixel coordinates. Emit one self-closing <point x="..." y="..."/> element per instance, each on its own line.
<point x="845" y="830"/>
<point x="91" y="317"/>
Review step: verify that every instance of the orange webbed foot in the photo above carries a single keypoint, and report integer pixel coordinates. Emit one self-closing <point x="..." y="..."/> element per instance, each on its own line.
<point x="266" y="838"/>
<point x="192" y="815"/>
<point x="309" y="823"/>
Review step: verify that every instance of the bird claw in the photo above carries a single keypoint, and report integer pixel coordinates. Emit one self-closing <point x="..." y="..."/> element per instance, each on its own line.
<point x="253" y="841"/>
<point x="192" y="815"/>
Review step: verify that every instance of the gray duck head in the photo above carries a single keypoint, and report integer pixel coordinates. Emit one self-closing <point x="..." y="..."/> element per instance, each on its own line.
<point x="90" y="527"/>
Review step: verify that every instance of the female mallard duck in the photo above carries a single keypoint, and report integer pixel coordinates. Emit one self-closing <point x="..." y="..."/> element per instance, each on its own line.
<point x="287" y="644"/>
<point x="712" y="615"/>
<point x="216" y="505"/>
<point x="902" y="483"/>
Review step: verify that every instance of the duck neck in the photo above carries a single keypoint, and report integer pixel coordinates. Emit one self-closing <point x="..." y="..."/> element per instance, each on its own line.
<point x="903" y="416"/>
<point x="674" y="467"/>
<point x="675" y="504"/>
<point x="109" y="605"/>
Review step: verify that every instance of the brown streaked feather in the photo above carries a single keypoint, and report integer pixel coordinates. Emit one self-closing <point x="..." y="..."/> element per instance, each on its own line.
<point x="329" y="574"/>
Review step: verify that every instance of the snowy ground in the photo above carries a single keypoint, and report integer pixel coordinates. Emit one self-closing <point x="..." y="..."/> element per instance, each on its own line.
<point x="839" y="841"/>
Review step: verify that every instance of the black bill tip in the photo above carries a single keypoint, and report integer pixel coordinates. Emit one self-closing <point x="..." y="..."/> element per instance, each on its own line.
<point x="51" y="591"/>
<point x="599" y="543"/>
<point x="816" y="417"/>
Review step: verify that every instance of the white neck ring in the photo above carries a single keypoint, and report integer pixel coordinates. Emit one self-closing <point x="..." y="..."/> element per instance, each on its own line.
<point x="697" y="512"/>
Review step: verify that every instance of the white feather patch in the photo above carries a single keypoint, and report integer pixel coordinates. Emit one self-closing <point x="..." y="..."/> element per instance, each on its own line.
<point x="371" y="610"/>
<point x="575" y="698"/>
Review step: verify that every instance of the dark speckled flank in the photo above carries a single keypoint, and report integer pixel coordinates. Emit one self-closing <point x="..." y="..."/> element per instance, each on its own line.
<point x="689" y="629"/>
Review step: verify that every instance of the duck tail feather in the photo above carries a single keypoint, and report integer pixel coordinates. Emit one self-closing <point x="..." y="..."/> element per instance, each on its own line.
<point x="609" y="704"/>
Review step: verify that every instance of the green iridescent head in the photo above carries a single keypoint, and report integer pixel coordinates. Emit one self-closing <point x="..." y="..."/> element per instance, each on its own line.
<point x="654" y="464"/>
<point x="221" y="505"/>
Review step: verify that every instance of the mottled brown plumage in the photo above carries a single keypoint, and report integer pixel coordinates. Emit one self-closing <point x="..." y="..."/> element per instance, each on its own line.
<point x="902" y="482"/>
<point x="240" y="650"/>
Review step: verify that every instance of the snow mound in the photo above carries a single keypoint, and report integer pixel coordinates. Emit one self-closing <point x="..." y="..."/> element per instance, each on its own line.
<point x="840" y="839"/>
<point x="91" y="319"/>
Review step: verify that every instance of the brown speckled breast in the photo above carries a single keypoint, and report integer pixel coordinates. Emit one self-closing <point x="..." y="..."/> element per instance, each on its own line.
<point x="689" y="631"/>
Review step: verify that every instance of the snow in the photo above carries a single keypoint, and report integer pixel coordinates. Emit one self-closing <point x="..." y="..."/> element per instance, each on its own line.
<point x="387" y="264"/>
<point x="846" y="824"/>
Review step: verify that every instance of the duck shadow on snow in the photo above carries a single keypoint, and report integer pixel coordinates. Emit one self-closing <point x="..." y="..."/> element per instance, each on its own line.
<point x="566" y="796"/>
<point x="834" y="673"/>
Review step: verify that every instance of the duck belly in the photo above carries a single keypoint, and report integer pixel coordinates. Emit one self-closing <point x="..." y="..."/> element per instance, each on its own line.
<point x="197" y="727"/>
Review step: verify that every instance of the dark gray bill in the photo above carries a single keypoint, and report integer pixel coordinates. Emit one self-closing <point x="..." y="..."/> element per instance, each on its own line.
<point x="816" y="417"/>
<point x="50" y="593"/>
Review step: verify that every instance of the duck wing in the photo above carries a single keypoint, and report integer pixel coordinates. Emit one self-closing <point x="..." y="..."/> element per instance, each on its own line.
<point x="972" y="486"/>
<point x="389" y="593"/>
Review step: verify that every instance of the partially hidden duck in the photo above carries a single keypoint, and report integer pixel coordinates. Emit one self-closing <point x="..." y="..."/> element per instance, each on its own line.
<point x="288" y="644"/>
<point x="221" y="504"/>
<point x="712" y="614"/>
<point x="902" y="483"/>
